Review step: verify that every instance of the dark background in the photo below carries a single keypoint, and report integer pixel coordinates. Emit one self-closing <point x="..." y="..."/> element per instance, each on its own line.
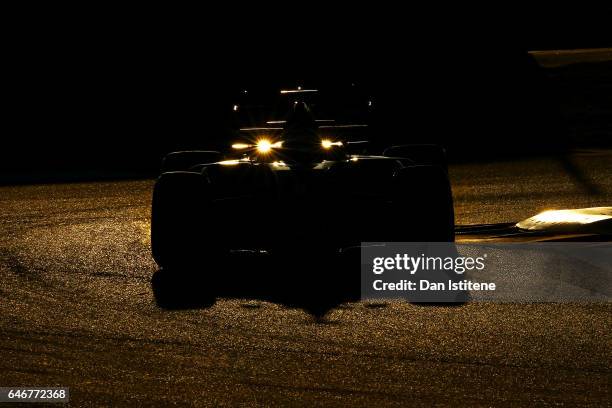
<point x="106" y="93"/>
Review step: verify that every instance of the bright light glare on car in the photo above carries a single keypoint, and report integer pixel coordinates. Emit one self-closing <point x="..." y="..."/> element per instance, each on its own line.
<point x="241" y="146"/>
<point x="234" y="162"/>
<point x="328" y="144"/>
<point x="264" y="146"/>
<point x="229" y="162"/>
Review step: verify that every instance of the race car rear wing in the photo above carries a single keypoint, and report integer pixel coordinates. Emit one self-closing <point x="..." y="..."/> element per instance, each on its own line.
<point x="271" y="128"/>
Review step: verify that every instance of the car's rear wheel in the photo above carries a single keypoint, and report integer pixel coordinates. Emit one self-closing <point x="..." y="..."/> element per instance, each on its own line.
<point x="423" y="205"/>
<point x="183" y="238"/>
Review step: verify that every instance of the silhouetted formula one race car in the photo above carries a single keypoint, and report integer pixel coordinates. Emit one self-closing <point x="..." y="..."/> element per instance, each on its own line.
<point x="292" y="189"/>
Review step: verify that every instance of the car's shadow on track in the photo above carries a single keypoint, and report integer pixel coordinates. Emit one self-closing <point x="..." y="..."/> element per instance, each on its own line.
<point x="314" y="285"/>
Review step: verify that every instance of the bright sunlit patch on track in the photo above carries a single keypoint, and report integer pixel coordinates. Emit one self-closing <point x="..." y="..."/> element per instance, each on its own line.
<point x="569" y="219"/>
<point x="569" y="216"/>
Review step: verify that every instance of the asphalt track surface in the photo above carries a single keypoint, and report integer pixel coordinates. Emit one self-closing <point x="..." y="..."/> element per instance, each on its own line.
<point x="77" y="310"/>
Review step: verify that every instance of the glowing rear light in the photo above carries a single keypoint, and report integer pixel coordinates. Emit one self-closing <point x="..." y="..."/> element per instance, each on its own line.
<point x="328" y="144"/>
<point x="240" y="146"/>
